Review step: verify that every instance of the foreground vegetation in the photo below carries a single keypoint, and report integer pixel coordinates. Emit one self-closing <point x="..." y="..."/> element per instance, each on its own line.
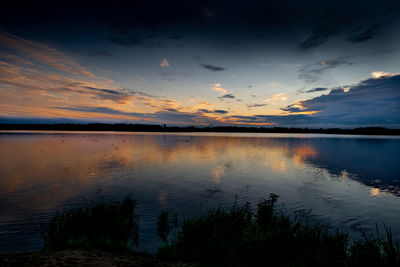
<point x="242" y="236"/>
<point x="102" y="225"/>
<point x="239" y="236"/>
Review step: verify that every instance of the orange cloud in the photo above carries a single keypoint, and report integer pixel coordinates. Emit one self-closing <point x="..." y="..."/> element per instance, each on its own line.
<point x="43" y="54"/>
<point x="37" y="80"/>
<point x="217" y="87"/>
<point x="380" y="74"/>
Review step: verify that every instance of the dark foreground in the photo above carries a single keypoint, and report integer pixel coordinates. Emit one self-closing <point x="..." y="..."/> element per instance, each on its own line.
<point x="105" y="234"/>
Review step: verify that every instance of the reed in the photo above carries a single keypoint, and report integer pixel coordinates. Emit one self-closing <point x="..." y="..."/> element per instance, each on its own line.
<point x="242" y="236"/>
<point x="101" y="225"/>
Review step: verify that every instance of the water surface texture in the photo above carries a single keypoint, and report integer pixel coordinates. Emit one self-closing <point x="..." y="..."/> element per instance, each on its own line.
<point x="350" y="182"/>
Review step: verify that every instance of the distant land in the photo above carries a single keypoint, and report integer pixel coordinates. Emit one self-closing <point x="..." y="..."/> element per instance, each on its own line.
<point x="119" y="127"/>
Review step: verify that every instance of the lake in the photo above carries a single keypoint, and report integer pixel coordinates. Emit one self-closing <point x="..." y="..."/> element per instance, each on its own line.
<point x="351" y="182"/>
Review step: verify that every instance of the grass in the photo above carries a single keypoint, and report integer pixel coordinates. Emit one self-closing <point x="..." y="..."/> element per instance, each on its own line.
<point x="241" y="236"/>
<point x="108" y="226"/>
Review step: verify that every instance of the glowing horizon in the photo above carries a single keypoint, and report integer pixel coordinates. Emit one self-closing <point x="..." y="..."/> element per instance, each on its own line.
<point x="176" y="77"/>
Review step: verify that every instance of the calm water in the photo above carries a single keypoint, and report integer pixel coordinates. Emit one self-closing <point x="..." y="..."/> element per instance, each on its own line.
<point x="345" y="181"/>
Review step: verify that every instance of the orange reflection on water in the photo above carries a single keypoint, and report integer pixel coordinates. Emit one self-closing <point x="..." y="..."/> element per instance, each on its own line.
<point x="218" y="172"/>
<point x="302" y="153"/>
<point x="66" y="163"/>
<point x="276" y="160"/>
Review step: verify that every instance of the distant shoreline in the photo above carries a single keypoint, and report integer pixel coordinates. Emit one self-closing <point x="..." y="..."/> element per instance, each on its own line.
<point x="222" y="129"/>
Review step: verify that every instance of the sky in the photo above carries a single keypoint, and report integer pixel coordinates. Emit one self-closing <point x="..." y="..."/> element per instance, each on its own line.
<point x="316" y="64"/>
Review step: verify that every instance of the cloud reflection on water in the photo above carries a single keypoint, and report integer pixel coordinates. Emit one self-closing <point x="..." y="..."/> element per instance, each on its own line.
<point x="46" y="172"/>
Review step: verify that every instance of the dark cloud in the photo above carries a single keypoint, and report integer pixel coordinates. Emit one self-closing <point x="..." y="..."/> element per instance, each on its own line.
<point x="139" y="93"/>
<point x="364" y="35"/>
<point x="365" y="21"/>
<point x="108" y="91"/>
<point x="312" y="73"/>
<point x="317" y="89"/>
<point x="227" y="96"/>
<point x="256" y="105"/>
<point x="178" y="17"/>
<point x="220" y="111"/>
<point x="388" y="15"/>
<point x="171" y="110"/>
<point x="212" y="67"/>
<point x="330" y="24"/>
<point x="217" y="111"/>
<point x="118" y="96"/>
<point x="292" y="108"/>
<point x="150" y="15"/>
<point x="284" y="121"/>
<point x="135" y="22"/>
<point x="371" y="102"/>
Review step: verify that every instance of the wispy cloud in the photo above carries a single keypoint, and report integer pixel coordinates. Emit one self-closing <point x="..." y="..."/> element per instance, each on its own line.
<point x="217" y="87"/>
<point x="312" y="73"/>
<point x="43" y="55"/>
<point x="40" y="81"/>
<point x="38" y="77"/>
<point x="277" y="98"/>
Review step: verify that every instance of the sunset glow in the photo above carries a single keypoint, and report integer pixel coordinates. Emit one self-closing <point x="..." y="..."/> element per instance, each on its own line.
<point x="218" y="67"/>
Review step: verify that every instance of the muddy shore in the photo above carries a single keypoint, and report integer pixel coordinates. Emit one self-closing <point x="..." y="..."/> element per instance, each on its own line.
<point x="81" y="258"/>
